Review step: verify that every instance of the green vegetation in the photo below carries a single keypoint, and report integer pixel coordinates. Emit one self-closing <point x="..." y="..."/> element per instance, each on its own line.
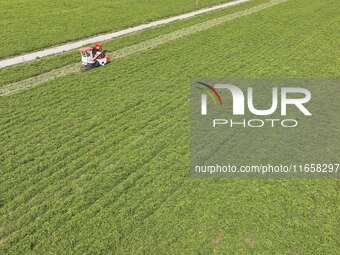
<point x="42" y="23"/>
<point x="98" y="162"/>
<point x="25" y="70"/>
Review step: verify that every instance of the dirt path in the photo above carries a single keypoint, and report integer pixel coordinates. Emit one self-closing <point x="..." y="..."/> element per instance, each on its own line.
<point x="16" y="87"/>
<point x="75" y="45"/>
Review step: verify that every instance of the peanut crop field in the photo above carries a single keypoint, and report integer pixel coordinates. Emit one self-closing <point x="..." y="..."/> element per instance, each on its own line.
<point x="97" y="162"/>
<point x="42" y="23"/>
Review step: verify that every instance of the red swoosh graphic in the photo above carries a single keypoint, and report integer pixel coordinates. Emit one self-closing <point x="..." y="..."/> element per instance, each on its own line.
<point x="213" y="90"/>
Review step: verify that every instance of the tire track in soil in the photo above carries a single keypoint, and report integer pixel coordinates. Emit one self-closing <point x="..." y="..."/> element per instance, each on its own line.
<point x="32" y="82"/>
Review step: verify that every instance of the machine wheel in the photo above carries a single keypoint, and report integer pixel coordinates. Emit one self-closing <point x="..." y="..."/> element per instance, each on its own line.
<point x="87" y="67"/>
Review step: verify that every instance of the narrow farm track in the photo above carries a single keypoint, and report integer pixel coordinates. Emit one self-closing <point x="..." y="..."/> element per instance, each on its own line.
<point x="19" y="86"/>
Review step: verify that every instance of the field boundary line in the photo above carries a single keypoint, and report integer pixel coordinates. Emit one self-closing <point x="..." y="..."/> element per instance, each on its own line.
<point x="32" y="82"/>
<point x="108" y="36"/>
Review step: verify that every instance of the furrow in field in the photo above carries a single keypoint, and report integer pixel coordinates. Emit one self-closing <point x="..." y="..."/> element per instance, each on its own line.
<point x="89" y="130"/>
<point x="122" y="187"/>
<point x="45" y="102"/>
<point x="47" y="178"/>
<point x="126" y="106"/>
<point x="92" y="132"/>
<point x="68" y="141"/>
<point x="16" y="87"/>
<point x="104" y="179"/>
<point x="81" y="212"/>
<point x="140" y="206"/>
<point x="51" y="181"/>
<point x="141" y="216"/>
<point x="33" y="209"/>
<point x="37" y="80"/>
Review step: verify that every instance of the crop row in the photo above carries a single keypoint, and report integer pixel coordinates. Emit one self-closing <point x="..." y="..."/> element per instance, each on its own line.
<point x="97" y="162"/>
<point x="90" y="175"/>
<point x="95" y="138"/>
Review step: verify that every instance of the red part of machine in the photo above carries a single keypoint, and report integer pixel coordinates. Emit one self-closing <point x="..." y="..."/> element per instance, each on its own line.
<point x="92" y="57"/>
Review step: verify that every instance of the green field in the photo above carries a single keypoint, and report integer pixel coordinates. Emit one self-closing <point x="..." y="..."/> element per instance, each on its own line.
<point x="98" y="162"/>
<point x="42" y="23"/>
